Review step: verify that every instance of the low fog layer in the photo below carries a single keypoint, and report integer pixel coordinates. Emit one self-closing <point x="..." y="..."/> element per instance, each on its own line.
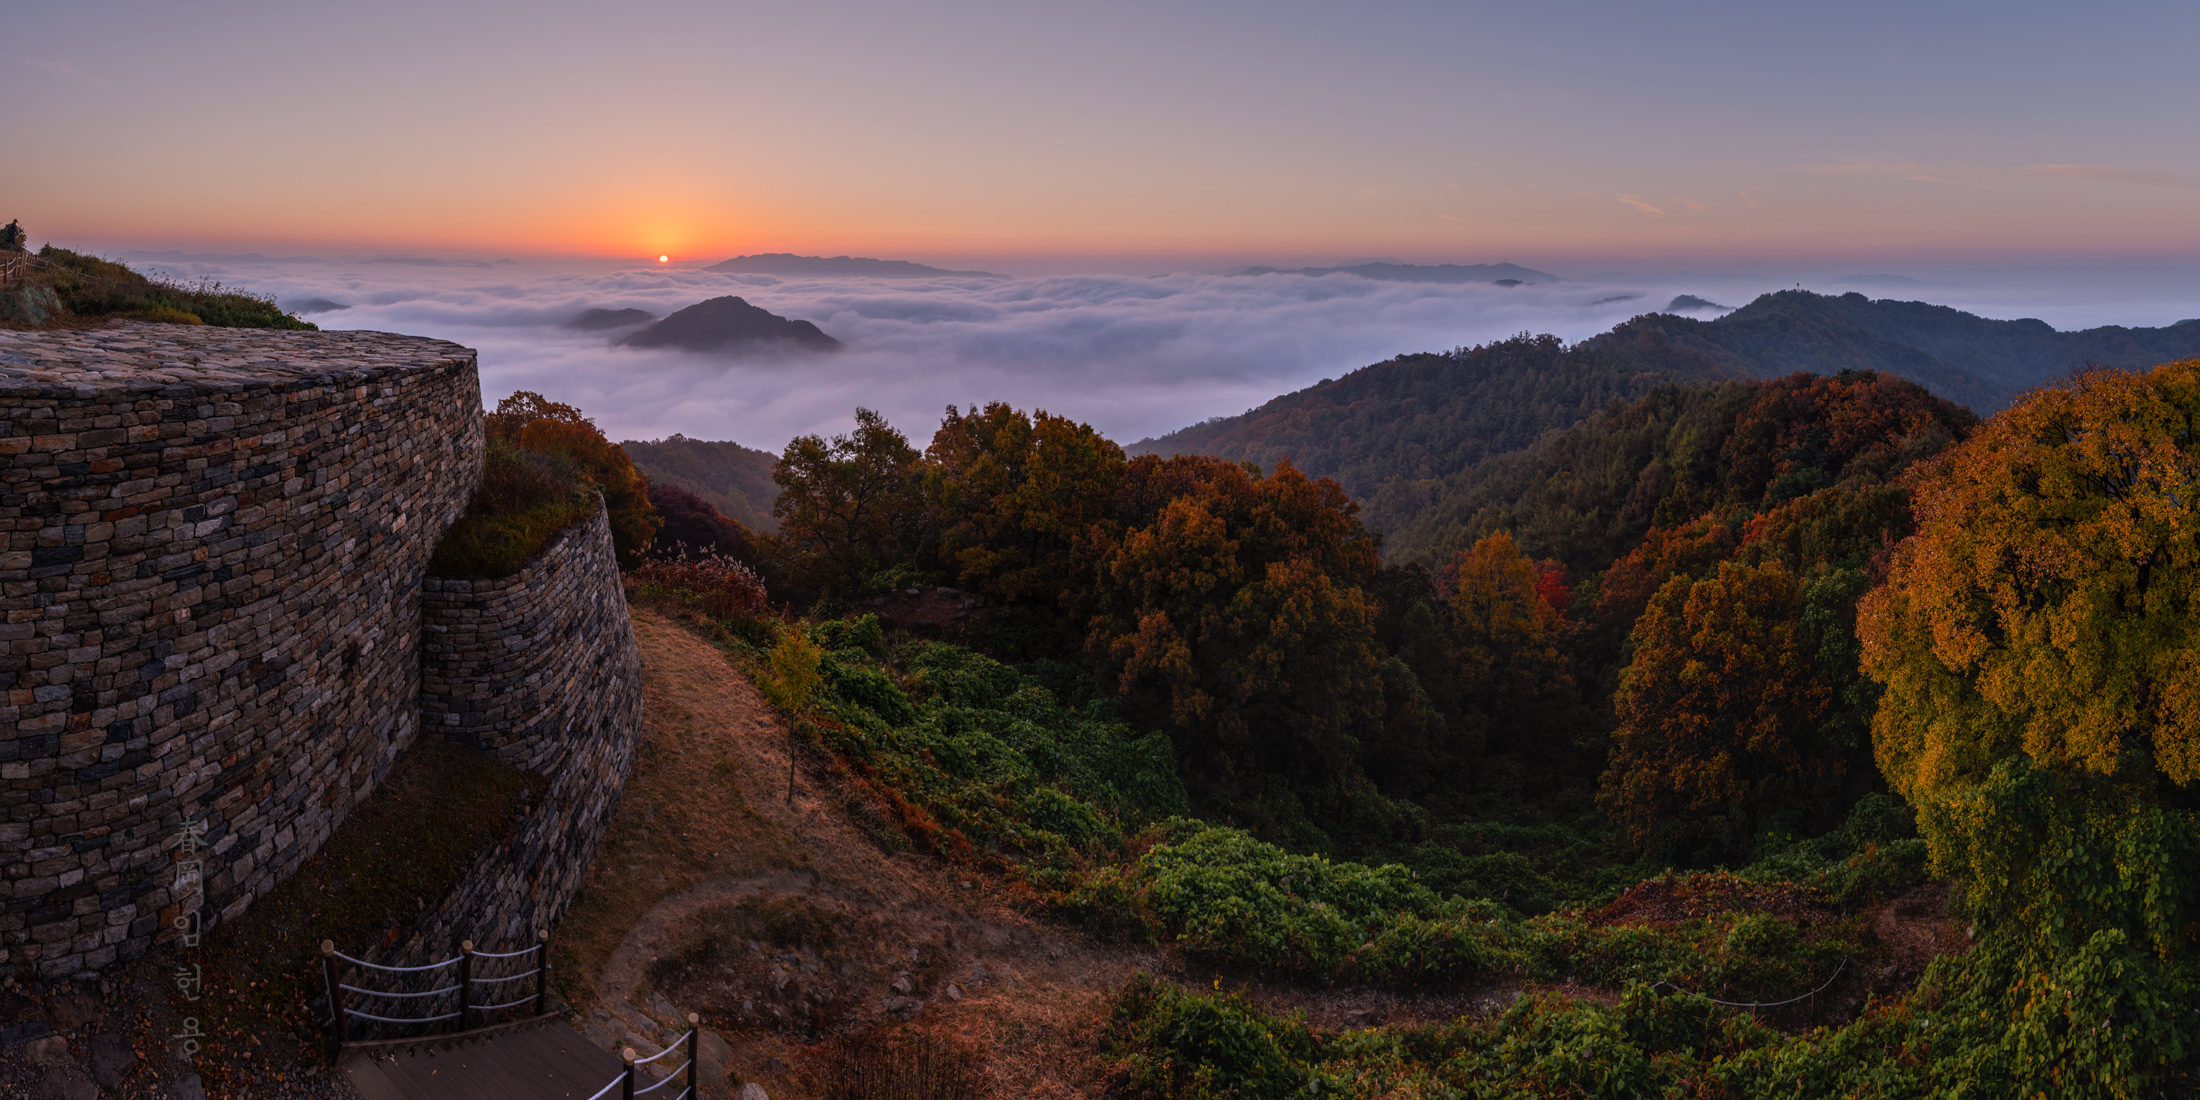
<point x="1133" y="356"/>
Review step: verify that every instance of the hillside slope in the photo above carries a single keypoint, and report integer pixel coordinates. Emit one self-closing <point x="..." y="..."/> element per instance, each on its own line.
<point x="1395" y="433"/>
<point x="1433" y="414"/>
<point x="736" y="480"/>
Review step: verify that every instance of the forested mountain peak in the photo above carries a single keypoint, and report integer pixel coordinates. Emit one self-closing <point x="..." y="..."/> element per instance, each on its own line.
<point x="1401" y="435"/>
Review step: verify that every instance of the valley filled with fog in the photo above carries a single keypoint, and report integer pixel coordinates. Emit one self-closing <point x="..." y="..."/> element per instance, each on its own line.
<point x="1133" y="355"/>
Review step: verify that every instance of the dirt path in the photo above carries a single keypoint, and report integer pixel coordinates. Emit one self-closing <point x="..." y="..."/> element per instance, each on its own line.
<point x="784" y="925"/>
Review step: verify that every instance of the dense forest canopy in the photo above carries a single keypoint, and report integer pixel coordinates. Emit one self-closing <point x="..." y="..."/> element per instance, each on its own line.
<point x="1709" y="622"/>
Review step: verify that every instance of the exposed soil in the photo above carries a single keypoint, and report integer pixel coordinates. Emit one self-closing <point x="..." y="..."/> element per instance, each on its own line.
<point x="787" y="927"/>
<point x="1675" y="900"/>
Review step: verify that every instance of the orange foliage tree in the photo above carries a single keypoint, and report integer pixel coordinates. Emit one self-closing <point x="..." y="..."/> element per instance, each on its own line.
<point x="1016" y="498"/>
<point x="2039" y="642"/>
<point x="537" y="423"/>
<point x="1232" y="613"/>
<point x="1504" y="651"/>
<point x="1719" y="715"/>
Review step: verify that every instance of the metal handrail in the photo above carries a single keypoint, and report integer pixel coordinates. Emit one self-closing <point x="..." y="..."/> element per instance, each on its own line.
<point x="379" y="993"/>
<point x="669" y="1077"/>
<point x="669" y="1048"/>
<point x="413" y="1020"/>
<point x="339" y="1013"/>
<point x="396" y="969"/>
<point x="1767" y="1004"/>
<point x="507" y="954"/>
<point x="624" y="1082"/>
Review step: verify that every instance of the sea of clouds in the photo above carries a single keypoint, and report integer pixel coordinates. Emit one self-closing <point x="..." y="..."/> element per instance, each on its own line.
<point x="1134" y="356"/>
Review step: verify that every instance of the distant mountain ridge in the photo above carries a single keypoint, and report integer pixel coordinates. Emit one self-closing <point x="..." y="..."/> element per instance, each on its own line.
<point x="1973" y="360"/>
<point x="787" y="263"/>
<point x="1390" y="272"/>
<point x="1399" y="434"/>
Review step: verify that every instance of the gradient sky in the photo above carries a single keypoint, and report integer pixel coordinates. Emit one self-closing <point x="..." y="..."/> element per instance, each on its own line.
<point x="1545" y="134"/>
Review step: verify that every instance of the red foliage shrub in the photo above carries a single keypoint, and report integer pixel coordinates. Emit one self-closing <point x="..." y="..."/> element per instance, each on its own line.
<point x="716" y="585"/>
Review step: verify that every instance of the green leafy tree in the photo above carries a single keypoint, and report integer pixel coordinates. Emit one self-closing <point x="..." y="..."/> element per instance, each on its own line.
<point x="850" y="506"/>
<point x="1016" y="499"/>
<point x="792" y="686"/>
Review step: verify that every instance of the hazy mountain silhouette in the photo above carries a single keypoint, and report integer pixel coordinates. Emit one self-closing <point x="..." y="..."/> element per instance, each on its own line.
<point x="787" y="263"/>
<point x="1689" y="303"/>
<point x="1961" y="356"/>
<point x="1508" y="274"/>
<point x="730" y="324"/>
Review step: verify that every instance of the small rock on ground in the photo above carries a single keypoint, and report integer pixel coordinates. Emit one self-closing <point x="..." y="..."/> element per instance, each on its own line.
<point x="53" y="1050"/>
<point x="72" y="1010"/>
<point x="112" y="1061"/>
<point x="67" y="1083"/>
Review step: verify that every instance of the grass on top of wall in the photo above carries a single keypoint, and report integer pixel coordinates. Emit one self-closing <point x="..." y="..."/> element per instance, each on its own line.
<point x="526" y="498"/>
<point x="92" y="289"/>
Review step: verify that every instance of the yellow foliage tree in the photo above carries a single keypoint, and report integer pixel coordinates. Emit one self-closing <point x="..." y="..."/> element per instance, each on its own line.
<point x="2039" y="642"/>
<point x="2050" y="601"/>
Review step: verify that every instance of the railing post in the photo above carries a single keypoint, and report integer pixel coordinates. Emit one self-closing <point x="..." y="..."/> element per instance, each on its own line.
<point x="695" y="1024"/>
<point x="465" y="983"/>
<point x="626" y="1082"/>
<point x="542" y="971"/>
<point x="335" y="989"/>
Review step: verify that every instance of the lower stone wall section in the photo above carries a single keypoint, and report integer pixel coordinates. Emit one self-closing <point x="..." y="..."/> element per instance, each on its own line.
<point x="541" y="668"/>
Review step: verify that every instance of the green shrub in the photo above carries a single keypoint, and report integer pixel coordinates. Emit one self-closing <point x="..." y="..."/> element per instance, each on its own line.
<point x="976" y="760"/>
<point x="1231" y="898"/>
<point x="1166" y="1044"/>
<point x="525" y="499"/>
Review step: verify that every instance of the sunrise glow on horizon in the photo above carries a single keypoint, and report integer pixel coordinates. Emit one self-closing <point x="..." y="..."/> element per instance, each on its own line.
<point x="1428" y="132"/>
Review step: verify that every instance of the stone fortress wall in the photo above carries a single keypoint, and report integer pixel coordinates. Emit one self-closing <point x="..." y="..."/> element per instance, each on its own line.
<point x="211" y="604"/>
<point x="541" y="668"/>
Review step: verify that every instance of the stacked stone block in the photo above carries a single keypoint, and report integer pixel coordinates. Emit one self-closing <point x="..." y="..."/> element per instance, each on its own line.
<point x="541" y="668"/>
<point x="531" y="665"/>
<point x="215" y="542"/>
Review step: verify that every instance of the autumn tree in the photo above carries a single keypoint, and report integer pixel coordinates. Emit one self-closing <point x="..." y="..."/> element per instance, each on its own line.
<point x="1232" y="613"/>
<point x="1719" y="715"/>
<point x="536" y="423"/>
<point x="1016" y="498"/>
<point x="2039" y="642"/>
<point x="849" y="506"/>
<point x="1508" y="672"/>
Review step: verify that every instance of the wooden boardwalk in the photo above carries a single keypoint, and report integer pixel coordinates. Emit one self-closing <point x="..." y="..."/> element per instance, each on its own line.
<point x="537" y="1060"/>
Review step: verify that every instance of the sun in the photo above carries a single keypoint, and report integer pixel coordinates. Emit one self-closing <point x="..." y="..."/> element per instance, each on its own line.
<point x="664" y="259"/>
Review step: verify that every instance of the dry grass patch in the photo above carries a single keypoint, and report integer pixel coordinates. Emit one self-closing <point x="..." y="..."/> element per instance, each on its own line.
<point x="685" y="815"/>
